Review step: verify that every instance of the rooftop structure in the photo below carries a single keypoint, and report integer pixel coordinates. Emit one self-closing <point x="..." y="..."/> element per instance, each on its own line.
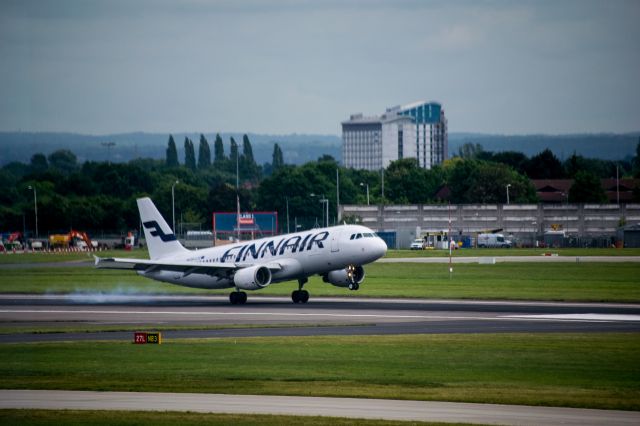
<point x="417" y="130"/>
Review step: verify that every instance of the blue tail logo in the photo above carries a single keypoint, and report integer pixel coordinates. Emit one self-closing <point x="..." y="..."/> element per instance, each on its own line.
<point x="156" y="231"/>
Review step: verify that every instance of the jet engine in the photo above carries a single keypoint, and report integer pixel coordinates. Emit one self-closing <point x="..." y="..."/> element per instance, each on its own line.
<point x="351" y="277"/>
<point x="252" y="277"/>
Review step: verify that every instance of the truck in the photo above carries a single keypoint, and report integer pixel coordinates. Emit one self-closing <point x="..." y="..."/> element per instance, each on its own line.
<point x="73" y="239"/>
<point x="493" y="240"/>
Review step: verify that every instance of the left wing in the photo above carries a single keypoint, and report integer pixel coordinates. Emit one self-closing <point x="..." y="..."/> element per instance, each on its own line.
<point x="188" y="268"/>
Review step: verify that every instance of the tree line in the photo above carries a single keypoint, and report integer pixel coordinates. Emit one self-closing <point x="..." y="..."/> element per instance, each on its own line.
<point x="100" y="196"/>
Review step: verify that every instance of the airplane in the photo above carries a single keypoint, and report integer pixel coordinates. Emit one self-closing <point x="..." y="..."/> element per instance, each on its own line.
<point x="336" y="253"/>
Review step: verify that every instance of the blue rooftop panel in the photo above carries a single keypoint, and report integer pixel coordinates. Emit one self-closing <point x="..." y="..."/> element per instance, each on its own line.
<point x="426" y="113"/>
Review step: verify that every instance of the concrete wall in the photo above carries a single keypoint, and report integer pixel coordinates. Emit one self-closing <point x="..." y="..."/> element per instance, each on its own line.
<point x="520" y="220"/>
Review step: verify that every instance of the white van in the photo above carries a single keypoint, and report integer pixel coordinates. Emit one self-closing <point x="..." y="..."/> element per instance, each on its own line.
<point x="493" y="240"/>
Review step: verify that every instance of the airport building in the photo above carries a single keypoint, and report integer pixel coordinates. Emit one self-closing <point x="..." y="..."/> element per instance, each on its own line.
<point x="417" y="130"/>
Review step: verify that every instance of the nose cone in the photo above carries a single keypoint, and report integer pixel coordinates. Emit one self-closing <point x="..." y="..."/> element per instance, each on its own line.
<point x="381" y="247"/>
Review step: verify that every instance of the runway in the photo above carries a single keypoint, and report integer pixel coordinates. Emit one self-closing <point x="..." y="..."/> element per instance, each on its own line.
<point x="278" y="316"/>
<point x="316" y="406"/>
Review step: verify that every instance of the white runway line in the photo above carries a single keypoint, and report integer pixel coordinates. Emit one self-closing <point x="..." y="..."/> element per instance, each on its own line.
<point x="357" y="408"/>
<point x="580" y="317"/>
<point x="546" y="317"/>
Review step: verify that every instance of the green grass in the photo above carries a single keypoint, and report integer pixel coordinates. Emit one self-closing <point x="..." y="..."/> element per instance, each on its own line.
<point x="95" y="328"/>
<point x="497" y="252"/>
<point x="98" y="418"/>
<point x="612" y="282"/>
<point x="24" y="258"/>
<point x="597" y="370"/>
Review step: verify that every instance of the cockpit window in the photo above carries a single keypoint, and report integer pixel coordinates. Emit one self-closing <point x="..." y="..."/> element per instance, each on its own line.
<point x="352" y="236"/>
<point x="368" y="235"/>
<point x="358" y="236"/>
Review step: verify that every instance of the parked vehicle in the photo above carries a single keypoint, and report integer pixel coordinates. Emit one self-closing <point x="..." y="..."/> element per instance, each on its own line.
<point x="493" y="240"/>
<point x="417" y="244"/>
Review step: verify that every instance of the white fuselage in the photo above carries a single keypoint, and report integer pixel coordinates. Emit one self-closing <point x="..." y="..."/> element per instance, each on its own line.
<point x="297" y="256"/>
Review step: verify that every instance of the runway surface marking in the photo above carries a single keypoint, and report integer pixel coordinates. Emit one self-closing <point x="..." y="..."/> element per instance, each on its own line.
<point x="555" y="318"/>
<point x="316" y="406"/>
<point x="88" y="298"/>
<point x="586" y="317"/>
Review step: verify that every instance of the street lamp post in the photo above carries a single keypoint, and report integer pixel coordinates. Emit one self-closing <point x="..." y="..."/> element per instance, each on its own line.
<point x="508" y="185"/>
<point x="325" y="212"/>
<point x="35" y="206"/>
<point x="173" y="204"/>
<point x="287" y="199"/>
<point x="367" y="185"/>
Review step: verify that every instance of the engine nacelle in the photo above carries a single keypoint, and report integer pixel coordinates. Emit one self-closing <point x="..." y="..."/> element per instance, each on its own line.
<point x="345" y="277"/>
<point x="252" y="278"/>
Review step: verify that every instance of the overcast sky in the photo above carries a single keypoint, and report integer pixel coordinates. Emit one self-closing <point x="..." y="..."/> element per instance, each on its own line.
<point x="279" y="67"/>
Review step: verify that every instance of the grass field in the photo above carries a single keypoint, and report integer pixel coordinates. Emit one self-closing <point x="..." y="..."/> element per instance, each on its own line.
<point x="10" y="258"/>
<point x="579" y="370"/>
<point x="517" y="281"/>
<point x="98" y="418"/>
<point x="23" y="258"/>
<point x="475" y="252"/>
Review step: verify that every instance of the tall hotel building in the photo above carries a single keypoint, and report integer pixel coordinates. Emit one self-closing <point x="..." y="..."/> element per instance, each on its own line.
<point x="417" y="130"/>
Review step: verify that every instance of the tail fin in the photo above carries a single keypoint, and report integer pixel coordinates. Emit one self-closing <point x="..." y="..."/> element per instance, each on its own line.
<point x="161" y="241"/>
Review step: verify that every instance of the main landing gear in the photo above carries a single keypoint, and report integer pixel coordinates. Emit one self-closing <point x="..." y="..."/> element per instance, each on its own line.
<point x="238" y="298"/>
<point x="300" y="295"/>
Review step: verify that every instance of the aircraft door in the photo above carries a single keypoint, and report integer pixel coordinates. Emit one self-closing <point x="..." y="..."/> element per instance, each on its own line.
<point x="335" y="238"/>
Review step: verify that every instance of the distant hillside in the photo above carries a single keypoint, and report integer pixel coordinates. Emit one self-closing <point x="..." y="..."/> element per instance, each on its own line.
<point x="602" y="146"/>
<point x="297" y="149"/>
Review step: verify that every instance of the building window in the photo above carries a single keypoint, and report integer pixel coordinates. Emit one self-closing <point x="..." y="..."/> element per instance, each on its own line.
<point x="400" y="153"/>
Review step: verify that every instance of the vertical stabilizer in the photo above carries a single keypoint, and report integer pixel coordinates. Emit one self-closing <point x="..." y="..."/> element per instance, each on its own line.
<point x="161" y="240"/>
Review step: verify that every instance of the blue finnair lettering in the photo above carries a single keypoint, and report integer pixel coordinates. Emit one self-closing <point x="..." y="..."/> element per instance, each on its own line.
<point x="295" y="243"/>
<point x="273" y="250"/>
<point x="303" y="243"/>
<point x="318" y="239"/>
<point x="156" y="231"/>
<point x="253" y="251"/>
<point x="291" y="242"/>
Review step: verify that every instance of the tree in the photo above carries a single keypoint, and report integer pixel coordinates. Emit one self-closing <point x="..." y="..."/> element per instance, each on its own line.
<point x="516" y="160"/>
<point x="407" y="182"/>
<point x="189" y="154"/>
<point x="39" y="163"/>
<point x="250" y="170"/>
<point x="233" y="154"/>
<point x="64" y="161"/>
<point x="204" y="153"/>
<point x="474" y="181"/>
<point x="219" y="158"/>
<point x="470" y="150"/>
<point x="544" y="166"/>
<point x="172" y="153"/>
<point x="277" y="159"/>
<point x="247" y="150"/>
<point x="587" y="188"/>
<point x="636" y="161"/>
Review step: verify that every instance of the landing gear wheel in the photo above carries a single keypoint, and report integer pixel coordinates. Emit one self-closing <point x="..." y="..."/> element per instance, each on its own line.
<point x="300" y="296"/>
<point x="354" y="286"/>
<point x="238" y="298"/>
